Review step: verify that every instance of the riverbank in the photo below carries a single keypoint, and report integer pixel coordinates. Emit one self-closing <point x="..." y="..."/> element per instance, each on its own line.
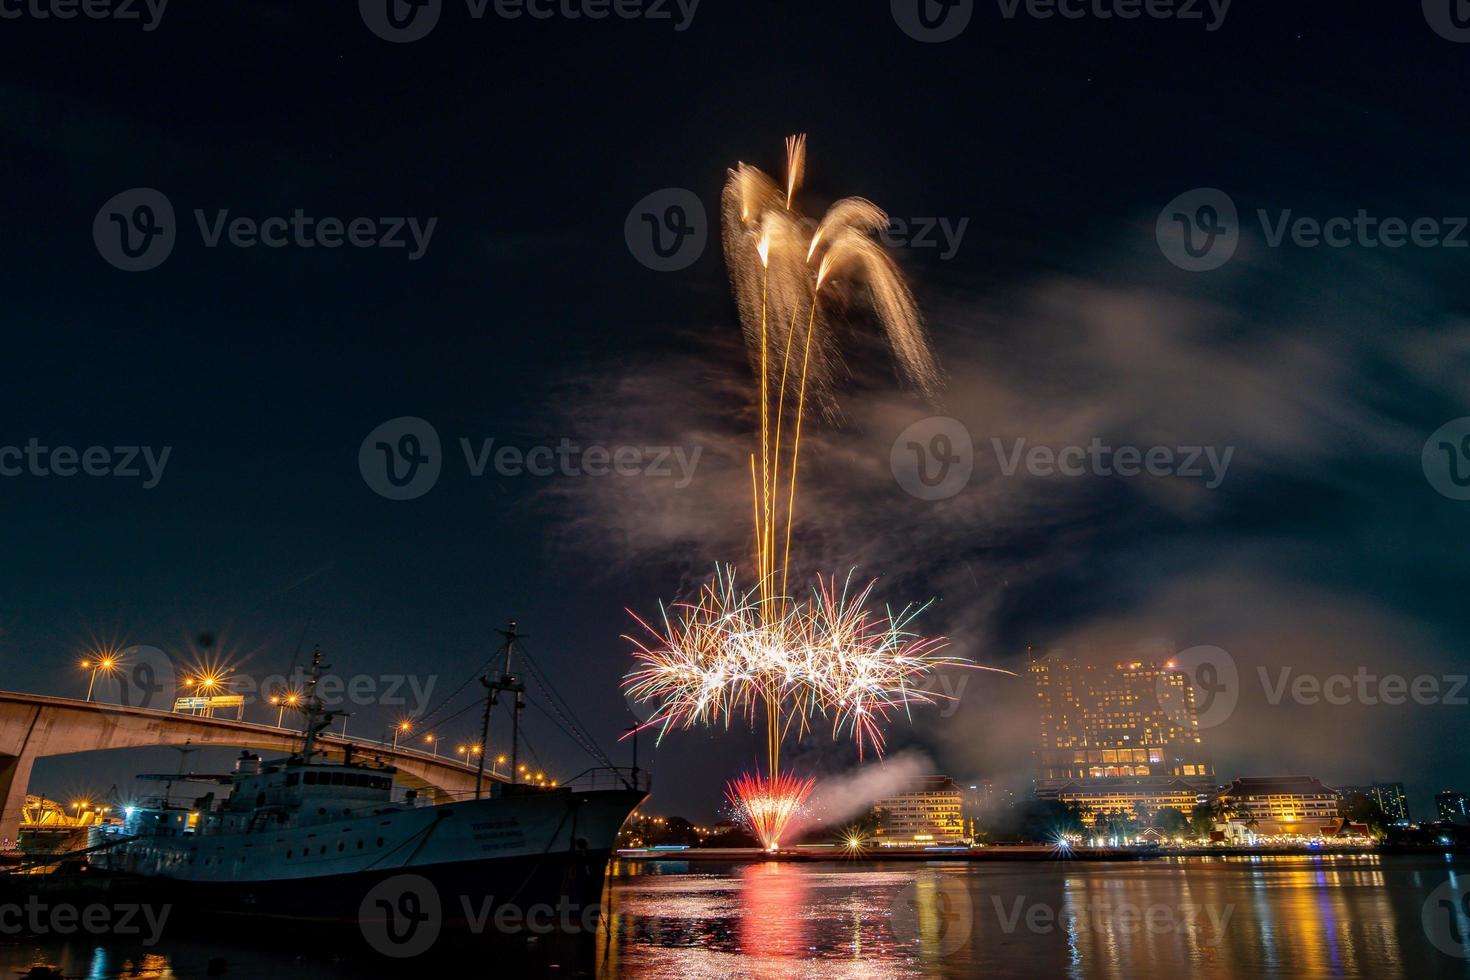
<point x="997" y="852"/>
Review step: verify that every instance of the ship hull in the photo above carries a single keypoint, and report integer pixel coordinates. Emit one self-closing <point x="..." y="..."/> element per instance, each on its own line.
<point x="516" y="869"/>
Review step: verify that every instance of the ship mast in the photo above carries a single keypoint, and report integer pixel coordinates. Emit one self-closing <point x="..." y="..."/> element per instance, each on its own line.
<point x="508" y="683"/>
<point x="317" y="718"/>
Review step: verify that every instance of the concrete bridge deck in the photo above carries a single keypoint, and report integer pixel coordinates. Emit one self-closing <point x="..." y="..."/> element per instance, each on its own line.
<point x="34" y="726"/>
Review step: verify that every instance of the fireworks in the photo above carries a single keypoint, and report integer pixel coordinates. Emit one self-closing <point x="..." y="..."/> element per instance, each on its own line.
<point x="720" y="658"/>
<point x="768" y="806"/>
<point x="735" y="655"/>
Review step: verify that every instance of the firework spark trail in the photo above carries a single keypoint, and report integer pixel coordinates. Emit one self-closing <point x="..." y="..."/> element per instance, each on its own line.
<point x="717" y="659"/>
<point x="768" y="805"/>
<point x="733" y="654"/>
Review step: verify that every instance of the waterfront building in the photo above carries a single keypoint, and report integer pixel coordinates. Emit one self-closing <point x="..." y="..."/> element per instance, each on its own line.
<point x="929" y="812"/>
<point x="1452" y="807"/>
<point x="1389" y="797"/>
<point x="1283" y="807"/>
<point x="1118" y="737"/>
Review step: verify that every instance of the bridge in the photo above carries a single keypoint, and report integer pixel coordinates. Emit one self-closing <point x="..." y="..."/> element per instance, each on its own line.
<point x="34" y="726"/>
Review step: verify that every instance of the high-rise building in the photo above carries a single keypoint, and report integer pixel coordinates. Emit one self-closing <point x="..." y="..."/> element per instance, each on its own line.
<point x="929" y="812"/>
<point x="1390" y="798"/>
<point x="1453" y="807"/>
<point x="1118" y="737"/>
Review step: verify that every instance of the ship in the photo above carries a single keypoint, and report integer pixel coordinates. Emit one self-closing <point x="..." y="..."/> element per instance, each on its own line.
<point x="309" y="842"/>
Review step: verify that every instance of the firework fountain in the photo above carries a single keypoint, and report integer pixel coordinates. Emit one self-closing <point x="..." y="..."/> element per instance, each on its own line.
<point x="742" y="654"/>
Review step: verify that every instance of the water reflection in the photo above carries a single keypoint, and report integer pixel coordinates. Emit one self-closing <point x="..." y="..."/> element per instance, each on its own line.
<point x="1312" y="916"/>
<point x="1299" y="916"/>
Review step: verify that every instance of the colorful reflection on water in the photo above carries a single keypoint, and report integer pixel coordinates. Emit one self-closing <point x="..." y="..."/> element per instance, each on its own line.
<point x="1160" y="919"/>
<point x="1283" y="915"/>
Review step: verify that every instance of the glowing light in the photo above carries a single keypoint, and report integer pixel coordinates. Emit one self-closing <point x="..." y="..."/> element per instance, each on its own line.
<point x="735" y="654"/>
<point x="768" y="805"/>
<point x="719" y="658"/>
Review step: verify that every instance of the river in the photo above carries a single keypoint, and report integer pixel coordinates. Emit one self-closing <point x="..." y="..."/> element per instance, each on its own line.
<point x="1160" y="919"/>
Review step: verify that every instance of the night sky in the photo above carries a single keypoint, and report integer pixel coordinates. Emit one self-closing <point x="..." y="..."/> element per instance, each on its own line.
<point x="528" y="319"/>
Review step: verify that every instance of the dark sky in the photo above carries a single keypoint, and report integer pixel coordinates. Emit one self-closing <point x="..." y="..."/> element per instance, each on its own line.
<point x="529" y="320"/>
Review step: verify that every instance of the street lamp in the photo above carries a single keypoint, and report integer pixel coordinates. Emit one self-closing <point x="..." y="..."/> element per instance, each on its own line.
<point x="433" y="743"/>
<point x="402" y="728"/>
<point x="207" y="684"/>
<point x="499" y="761"/>
<point x="106" y="663"/>
<point x="283" y="701"/>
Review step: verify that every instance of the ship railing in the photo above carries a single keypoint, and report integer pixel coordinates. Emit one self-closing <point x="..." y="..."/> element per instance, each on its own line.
<point x="596" y="778"/>
<point x="611" y="777"/>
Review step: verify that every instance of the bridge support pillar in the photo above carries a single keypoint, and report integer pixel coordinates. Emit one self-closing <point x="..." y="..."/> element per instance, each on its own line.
<point x="15" y="776"/>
